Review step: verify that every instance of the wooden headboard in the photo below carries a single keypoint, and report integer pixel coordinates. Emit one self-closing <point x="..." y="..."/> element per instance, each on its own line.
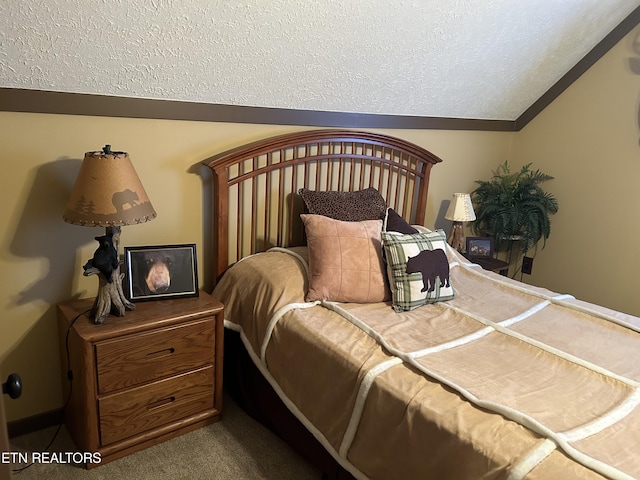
<point x="255" y="200"/>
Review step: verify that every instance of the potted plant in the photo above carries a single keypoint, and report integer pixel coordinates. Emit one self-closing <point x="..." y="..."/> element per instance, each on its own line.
<point x="513" y="206"/>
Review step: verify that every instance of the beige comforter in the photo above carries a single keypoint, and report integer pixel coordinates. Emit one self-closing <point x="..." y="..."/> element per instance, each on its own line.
<point x="506" y="381"/>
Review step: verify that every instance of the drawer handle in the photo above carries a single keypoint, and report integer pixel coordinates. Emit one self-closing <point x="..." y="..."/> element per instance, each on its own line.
<point x="160" y="403"/>
<point x="160" y="353"/>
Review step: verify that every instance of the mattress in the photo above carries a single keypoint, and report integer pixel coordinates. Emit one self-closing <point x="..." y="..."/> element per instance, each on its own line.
<point x="505" y="381"/>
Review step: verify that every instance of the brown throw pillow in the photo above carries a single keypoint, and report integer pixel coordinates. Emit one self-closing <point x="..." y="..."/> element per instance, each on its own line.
<point x="393" y="222"/>
<point x="345" y="260"/>
<point x="365" y="204"/>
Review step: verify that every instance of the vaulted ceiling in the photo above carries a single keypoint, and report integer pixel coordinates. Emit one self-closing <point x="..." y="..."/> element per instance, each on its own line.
<point x="480" y="59"/>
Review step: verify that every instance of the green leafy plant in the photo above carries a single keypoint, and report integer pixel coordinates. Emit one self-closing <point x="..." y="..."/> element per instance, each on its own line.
<point x="513" y="206"/>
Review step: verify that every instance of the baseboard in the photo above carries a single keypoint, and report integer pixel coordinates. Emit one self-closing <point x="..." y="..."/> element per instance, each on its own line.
<point x="34" y="423"/>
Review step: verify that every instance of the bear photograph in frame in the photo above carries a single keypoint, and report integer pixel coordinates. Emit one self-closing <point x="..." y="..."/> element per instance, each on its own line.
<point x="161" y="272"/>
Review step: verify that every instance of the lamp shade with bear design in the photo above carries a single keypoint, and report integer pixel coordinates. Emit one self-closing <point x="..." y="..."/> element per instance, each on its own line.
<point x="108" y="192"/>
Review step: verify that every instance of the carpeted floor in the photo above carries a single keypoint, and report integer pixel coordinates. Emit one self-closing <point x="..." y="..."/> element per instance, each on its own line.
<point x="235" y="448"/>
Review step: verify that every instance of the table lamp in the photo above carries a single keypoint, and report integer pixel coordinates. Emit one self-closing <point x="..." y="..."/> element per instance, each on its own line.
<point x="460" y="210"/>
<point x="108" y="193"/>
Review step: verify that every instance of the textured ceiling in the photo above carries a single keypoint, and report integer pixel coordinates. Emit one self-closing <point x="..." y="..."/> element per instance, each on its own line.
<point x="486" y="59"/>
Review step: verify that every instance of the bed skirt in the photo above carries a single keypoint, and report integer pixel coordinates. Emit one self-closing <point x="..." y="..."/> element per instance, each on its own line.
<point x="251" y="391"/>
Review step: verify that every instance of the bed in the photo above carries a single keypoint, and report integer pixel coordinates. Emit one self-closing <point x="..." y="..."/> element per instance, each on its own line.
<point x="379" y="352"/>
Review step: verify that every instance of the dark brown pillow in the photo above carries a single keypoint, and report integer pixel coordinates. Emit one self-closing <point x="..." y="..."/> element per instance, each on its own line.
<point x="357" y="206"/>
<point x="393" y="222"/>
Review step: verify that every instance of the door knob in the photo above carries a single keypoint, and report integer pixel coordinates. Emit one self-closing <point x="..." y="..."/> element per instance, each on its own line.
<point x="13" y="386"/>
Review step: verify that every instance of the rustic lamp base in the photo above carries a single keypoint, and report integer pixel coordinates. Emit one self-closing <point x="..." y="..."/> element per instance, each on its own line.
<point x="110" y="297"/>
<point x="456" y="237"/>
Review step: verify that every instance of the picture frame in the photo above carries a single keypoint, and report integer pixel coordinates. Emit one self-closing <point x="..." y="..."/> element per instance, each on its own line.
<point x="480" y="247"/>
<point x="161" y="272"/>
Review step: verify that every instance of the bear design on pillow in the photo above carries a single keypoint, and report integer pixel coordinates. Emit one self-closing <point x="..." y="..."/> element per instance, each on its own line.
<point x="431" y="264"/>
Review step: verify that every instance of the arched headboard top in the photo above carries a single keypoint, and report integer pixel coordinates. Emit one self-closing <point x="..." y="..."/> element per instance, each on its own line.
<point x="313" y="137"/>
<point x="255" y="199"/>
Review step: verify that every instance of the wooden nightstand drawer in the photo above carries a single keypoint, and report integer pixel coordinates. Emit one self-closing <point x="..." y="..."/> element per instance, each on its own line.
<point x="135" y="359"/>
<point x="140" y="409"/>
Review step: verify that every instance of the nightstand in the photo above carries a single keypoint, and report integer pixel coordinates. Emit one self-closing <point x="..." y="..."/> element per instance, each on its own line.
<point x="493" y="264"/>
<point x="144" y="378"/>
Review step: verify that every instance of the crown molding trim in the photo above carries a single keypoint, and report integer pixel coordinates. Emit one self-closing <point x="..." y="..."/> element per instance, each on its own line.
<point x="617" y="34"/>
<point x="44" y="101"/>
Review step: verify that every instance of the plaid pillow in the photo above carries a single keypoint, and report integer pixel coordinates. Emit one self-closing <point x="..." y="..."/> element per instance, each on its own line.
<point x="418" y="269"/>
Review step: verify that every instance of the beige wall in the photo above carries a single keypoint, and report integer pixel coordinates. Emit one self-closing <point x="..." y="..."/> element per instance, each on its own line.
<point x="588" y="139"/>
<point x="41" y="257"/>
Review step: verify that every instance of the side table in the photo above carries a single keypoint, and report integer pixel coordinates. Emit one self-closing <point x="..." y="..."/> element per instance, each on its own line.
<point x="141" y="379"/>
<point x="493" y="264"/>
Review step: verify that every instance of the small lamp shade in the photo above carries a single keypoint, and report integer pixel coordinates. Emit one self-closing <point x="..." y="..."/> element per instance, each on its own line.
<point x="108" y="192"/>
<point x="460" y="209"/>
